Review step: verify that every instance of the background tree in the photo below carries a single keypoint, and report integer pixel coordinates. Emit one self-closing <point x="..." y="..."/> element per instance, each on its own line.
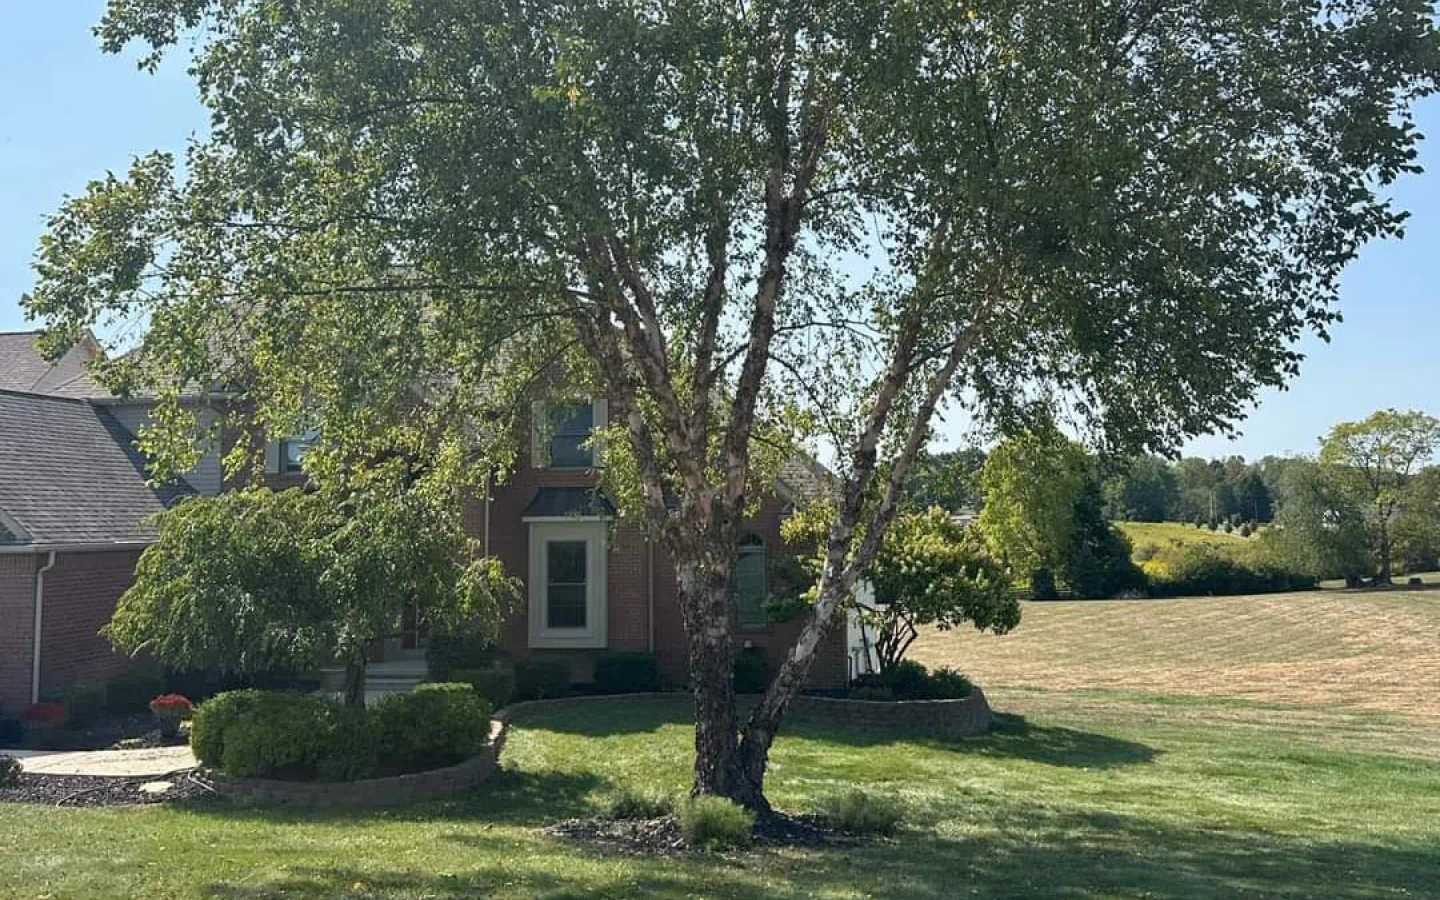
<point x="1373" y="461"/>
<point x="1416" y="529"/>
<point x="1031" y="484"/>
<point x="949" y="479"/>
<point x="1143" y="490"/>
<point x="1319" y="528"/>
<point x="253" y="580"/>
<point x="929" y="572"/>
<point x="1134" y="209"/>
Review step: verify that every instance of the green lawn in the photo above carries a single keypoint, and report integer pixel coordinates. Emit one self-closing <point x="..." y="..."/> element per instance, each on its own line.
<point x="1283" y="746"/>
<point x="1162" y="535"/>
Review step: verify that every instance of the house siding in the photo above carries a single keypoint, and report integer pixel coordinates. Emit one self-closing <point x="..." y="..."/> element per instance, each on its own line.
<point x="17" y="630"/>
<point x="80" y="596"/>
<point x="207" y="477"/>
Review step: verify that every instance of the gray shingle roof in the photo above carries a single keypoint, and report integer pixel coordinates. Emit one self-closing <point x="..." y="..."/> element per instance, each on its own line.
<point x="550" y="502"/>
<point x="70" y="475"/>
<point x="22" y="368"/>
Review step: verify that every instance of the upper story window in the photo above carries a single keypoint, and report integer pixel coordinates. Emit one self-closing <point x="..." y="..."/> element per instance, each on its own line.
<point x="290" y="453"/>
<point x="751" y="585"/>
<point x="565" y="441"/>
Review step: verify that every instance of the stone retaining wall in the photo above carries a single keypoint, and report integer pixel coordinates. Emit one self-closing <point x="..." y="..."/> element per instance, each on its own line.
<point x="392" y="791"/>
<point x="945" y="718"/>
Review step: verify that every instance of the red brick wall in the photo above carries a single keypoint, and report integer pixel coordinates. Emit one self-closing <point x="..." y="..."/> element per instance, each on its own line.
<point x="627" y="585"/>
<point x="80" y="595"/>
<point x="17" y="629"/>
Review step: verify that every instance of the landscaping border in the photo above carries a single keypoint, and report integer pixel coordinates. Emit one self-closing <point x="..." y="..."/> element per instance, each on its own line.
<point x="963" y="717"/>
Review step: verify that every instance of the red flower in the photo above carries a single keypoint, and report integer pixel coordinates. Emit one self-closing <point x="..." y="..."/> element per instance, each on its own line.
<point x="44" y="713"/>
<point x="172" y="706"/>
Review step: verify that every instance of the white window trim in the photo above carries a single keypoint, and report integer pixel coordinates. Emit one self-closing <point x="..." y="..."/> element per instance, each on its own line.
<point x="539" y="449"/>
<point x="593" y="532"/>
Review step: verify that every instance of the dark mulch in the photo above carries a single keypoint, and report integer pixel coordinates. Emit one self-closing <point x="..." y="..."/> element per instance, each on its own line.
<point x="110" y="733"/>
<point x="662" y="837"/>
<point x="94" y="790"/>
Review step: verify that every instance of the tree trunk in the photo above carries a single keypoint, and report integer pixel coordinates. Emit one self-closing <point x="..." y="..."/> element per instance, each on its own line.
<point x="704" y="588"/>
<point x="353" y="691"/>
<point x="1385" y="553"/>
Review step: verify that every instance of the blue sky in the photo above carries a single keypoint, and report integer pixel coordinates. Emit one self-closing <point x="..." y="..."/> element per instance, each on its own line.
<point x="69" y="113"/>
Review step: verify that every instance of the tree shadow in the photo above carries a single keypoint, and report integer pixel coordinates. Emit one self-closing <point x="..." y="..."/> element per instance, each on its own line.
<point x="1033" y="852"/>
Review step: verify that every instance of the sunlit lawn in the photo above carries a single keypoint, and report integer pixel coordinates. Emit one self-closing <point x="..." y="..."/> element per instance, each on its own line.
<point x="1085" y="790"/>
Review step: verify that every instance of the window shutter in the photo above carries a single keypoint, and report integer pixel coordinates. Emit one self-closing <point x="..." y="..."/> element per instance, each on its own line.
<point x="601" y="422"/>
<point x="539" y="451"/>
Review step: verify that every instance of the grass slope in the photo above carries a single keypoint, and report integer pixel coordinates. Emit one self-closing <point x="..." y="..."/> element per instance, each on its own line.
<point x="1089" y="787"/>
<point x="1163" y="535"/>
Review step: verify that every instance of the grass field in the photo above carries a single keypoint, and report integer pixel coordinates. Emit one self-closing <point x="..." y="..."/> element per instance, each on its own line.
<point x="1257" y="747"/>
<point x="1162" y="535"/>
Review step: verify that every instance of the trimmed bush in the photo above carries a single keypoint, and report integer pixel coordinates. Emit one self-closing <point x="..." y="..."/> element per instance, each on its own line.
<point x="213" y="719"/>
<point x="752" y="671"/>
<point x="494" y="683"/>
<point x="1042" y="585"/>
<point x="908" y="680"/>
<point x="445" y="653"/>
<point x="435" y="725"/>
<point x="860" y="812"/>
<point x="639" y="804"/>
<point x="350" y="752"/>
<point x="627" y="673"/>
<point x="541" y="679"/>
<point x="946" y="683"/>
<point x="715" y="823"/>
<point x="83" y="704"/>
<point x="1198" y="569"/>
<point x="283" y="735"/>
<point x="10" y="770"/>
<point x="131" y="693"/>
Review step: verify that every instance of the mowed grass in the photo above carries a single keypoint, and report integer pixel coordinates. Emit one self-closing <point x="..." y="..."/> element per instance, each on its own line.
<point x="1088" y="788"/>
<point x="1163" y="535"/>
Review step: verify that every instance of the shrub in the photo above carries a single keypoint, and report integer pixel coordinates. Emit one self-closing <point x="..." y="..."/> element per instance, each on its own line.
<point x="639" y="804"/>
<point x="435" y="725"/>
<point x="715" y="823"/>
<point x="10" y="770"/>
<point x="494" y="683"/>
<point x="350" y="752"/>
<point x="627" y="673"/>
<point x="908" y="680"/>
<point x="213" y="719"/>
<point x="284" y="735"/>
<point x="172" y="706"/>
<point x="44" y="714"/>
<point x="1246" y="530"/>
<point x="1199" y="569"/>
<point x="1228" y="527"/>
<point x="872" y="692"/>
<point x="752" y="671"/>
<point x="446" y="652"/>
<point x="541" y="679"/>
<point x="83" y="704"/>
<point x="948" y="684"/>
<point x="1042" y="584"/>
<point x="11" y="730"/>
<point x="859" y="812"/>
<point x="131" y="693"/>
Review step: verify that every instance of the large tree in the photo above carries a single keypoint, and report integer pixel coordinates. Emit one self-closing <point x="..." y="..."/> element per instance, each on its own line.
<point x="750" y="222"/>
<point x="1374" y="461"/>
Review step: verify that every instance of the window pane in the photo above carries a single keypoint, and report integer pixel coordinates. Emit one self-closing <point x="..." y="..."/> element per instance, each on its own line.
<point x="750" y="587"/>
<point x="572" y="424"/>
<point x="565" y="562"/>
<point x="565" y="606"/>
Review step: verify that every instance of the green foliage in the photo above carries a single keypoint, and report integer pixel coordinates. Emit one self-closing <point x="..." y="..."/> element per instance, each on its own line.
<point x="10" y="771"/>
<point x="752" y="670"/>
<point x="1098" y="559"/>
<point x="1144" y="489"/>
<point x="494" y="683"/>
<point x="639" y="803"/>
<point x="437" y="724"/>
<point x="948" y="684"/>
<point x="909" y="680"/>
<point x="446" y="651"/>
<point x="541" y="679"/>
<point x="949" y="480"/>
<point x="292" y="736"/>
<point x="83" y="704"/>
<point x="1200" y="569"/>
<point x="627" y="673"/>
<point x="715" y="823"/>
<point x="1416" y="528"/>
<point x="132" y="692"/>
<point x="1319" y="528"/>
<point x="1031" y="484"/>
<point x="214" y="718"/>
<point x="254" y="580"/>
<point x="858" y="811"/>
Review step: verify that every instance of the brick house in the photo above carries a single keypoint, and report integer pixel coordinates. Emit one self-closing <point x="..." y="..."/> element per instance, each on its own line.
<point x="72" y="485"/>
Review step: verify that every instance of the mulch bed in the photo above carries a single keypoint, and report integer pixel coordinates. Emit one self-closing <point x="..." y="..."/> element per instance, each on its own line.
<point x="662" y="837"/>
<point x="95" y="790"/>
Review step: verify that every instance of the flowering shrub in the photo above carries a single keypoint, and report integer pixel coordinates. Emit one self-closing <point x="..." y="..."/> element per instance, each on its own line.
<point x="44" y="714"/>
<point x="172" y="706"/>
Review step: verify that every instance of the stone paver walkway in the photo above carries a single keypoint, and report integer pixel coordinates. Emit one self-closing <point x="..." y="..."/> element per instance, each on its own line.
<point x="147" y="762"/>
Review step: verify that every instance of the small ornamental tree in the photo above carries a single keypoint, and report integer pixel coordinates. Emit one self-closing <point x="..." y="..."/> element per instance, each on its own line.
<point x="929" y="571"/>
<point x="253" y="580"/>
<point x="1031" y="484"/>
<point x="1136" y="208"/>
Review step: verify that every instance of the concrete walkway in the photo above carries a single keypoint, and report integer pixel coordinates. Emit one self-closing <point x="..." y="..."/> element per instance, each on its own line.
<point x="147" y="762"/>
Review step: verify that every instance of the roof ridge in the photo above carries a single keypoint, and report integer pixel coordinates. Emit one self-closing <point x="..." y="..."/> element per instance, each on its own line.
<point x="41" y="395"/>
<point x="17" y="333"/>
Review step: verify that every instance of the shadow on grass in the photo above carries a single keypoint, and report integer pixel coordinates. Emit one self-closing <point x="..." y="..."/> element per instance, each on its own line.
<point x="1030" y="852"/>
